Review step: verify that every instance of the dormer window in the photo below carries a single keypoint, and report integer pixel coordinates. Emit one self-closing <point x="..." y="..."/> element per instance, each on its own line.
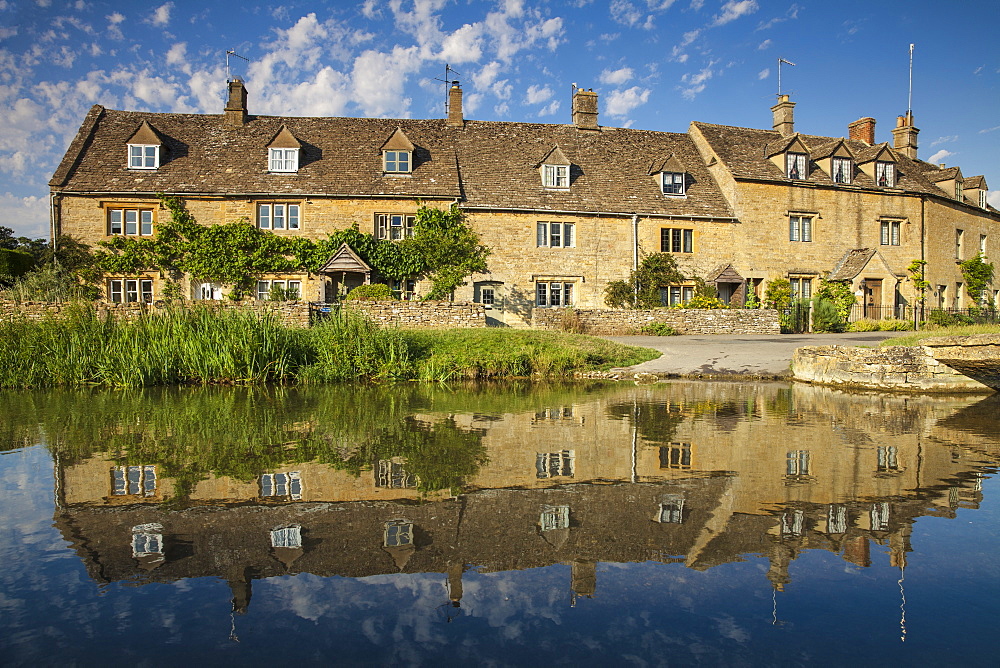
<point x="283" y="159"/>
<point x="397" y="154"/>
<point x="982" y="199"/>
<point x="842" y="170"/>
<point x="143" y="156"/>
<point x="959" y="194"/>
<point x="795" y="165"/>
<point x="673" y="183"/>
<point x="885" y="174"/>
<point x="397" y="162"/>
<point x="555" y="176"/>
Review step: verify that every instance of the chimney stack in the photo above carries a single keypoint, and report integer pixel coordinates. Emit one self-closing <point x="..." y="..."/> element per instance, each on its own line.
<point x="862" y="129"/>
<point x="455" y="118"/>
<point x="585" y="109"/>
<point x="236" y="107"/>
<point x="784" y="116"/>
<point x="904" y="136"/>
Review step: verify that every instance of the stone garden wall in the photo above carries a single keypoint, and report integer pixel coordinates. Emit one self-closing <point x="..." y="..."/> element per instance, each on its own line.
<point x="683" y="321"/>
<point x="292" y="314"/>
<point x="422" y="315"/>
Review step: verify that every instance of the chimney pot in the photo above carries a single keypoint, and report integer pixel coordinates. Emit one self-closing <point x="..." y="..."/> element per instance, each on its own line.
<point x="904" y="136"/>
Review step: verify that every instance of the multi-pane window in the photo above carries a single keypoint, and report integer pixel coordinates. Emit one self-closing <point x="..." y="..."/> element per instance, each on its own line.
<point x="555" y="176"/>
<point x="290" y="536"/>
<point x="982" y="245"/>
<point x="487" y="296"/>
<point x="397" y="533"/>
<point x="797" y="463"/>
<point x="885" y="174"/>
<point x="554" y="517"/>
<point x="675" y="456"/>
<point x="133" y="480"/>
<point x="397" y="161"/>
<point x="890" y="232"/>
<point x="800" y="228"/>
<point x="130" y="222"/>
<point x="278" y="216"/>
<point x="143" y="156"/>
<point x="551" y="464"/>
<point x="281" y="485"/>
<point x="674" y="240"/>
<point x="283" y="159"/>
<point x="671" y="509"/>
<point x="791" y="522"/>
<point x="942" y="293"/>
<point x="675" y="295"/>
<point x="127" y="290"/>
<point x="843" y="169"/>
<point x="292" y="289"/>
<point x="983" y="202"/>
<point x="673" y="183"/>
<point x="795" y="165"/>
<point x="959" y="190"/>
<point x="394" y="226"/>
<point x="555" y="235"/>
<point x="553" y="294"/>
<point x="404" y="289"/>
<point x="959" y="244"/>
<point x="801" y="288"/>
<point x="391" y="475"/>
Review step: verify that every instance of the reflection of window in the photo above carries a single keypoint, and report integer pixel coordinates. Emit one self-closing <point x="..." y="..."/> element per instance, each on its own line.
<point x="675" y="456"/>
<point x="394" y="226"/>
<point x="392" y="475"/>
<point x="290" y="536"/>
<point x="797" y="462"/>
<point x="553" y="294"/>
<point x="671" y="509"/>
<point x="133" y="480"/>
<point x="676" y="240"/>
<point x="551" y="464"/>
<point x="398" y="533"/>
<point x="554" y="517"/>
<point x="836" y="519"/>
<point x="880" y="516"/>
<point x="554" y="413"/>
<point x="288" y="485"/>
<point x="147" y="540"/>
<point x="887" y="459"/>
<point x="791" y="523"/>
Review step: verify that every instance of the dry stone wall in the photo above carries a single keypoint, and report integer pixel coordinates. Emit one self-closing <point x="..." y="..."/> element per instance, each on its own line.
<point x="292" y="314"/>
<point x="422" y="315"/>
<point x="683" y="321"/>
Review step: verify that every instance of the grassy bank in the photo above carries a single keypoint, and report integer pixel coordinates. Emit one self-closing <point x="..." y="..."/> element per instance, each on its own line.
<point x="963" y="330"/>
<point x="201" y="346"/>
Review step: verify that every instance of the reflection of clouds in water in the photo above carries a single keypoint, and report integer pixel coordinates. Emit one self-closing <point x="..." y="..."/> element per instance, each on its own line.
<point x="728" y="628"/>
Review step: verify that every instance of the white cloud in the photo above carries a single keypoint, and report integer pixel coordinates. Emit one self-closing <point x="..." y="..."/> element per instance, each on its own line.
<point x="986" y="130"/>
<point x="763" y="45"/>
<point x="550" y="110"/>
<point x="27" y="216"/>
<point x="485" y="77"/>
<point x="537" y="94"/>
<point x="6" y="32"/>
<point x="697" y="4"/>
<point x="463" y="46"/>
<point x="622" y="102"/>
<point x="624" y="12"/>
<point x="764" y="73"/>
<point x="993" y="197"/>
<point x="733" y="10"/>
<point x="616" y="77"/>
<point x="161" y="15"/>
<point x="944" y="140"/>
<point x="378" y="79"/>
<point x="695" y="83"/>
<point x="369" y="10"/>
<point x="791" y="14"/>
<point x="940" y="156"/>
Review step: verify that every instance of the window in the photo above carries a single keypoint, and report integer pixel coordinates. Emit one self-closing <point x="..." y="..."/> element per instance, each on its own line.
<point x="555" y="176"/>
<point x="880" y="516"/>
<point x="147" y="541"/>
<point x="397" y="161"/>
<point x="288" y="485"/>
<point x="885" y="174"/>
<point x="210" y="291"/>
<point x="133" y="480"/>
<point x="676" y="240"/>
<point x="143" y="156"/>
<point x="983" y="203"/>
<point x="290" y="536"/>
<point x="795" y="165"/>
<point x="800" y="228"/>
<point x="843" y="169"/>
<point x="797" y="463"/>
<point x="554" y="517"/>
<point x="278" y="216"/>
<point x="791" y="522"/>
<point x="673" y="183"/>
<point x="127" y="291"/>
<point x="801" y="288"/>
<point x="888" y="460"/>
<point x="942" y="296"/>
<point x="404" y="289"/>
<point x="292" y="289"/>
<point x="959" y="240"/>
<point x="551" y="464"/>
<point x="675" y="295"/>
<point x="671" y="509"/>
<point x="959" y="190"/>
<point x="398" y="533"/>
<point x="394" y="226"/>
<point x="836" y="519"/>
<point x="560" y="413"/>
<point x="283" y="159"/>
<point x="675" y="456"/>
<point x="555" y="235"/>
<point x="890" y="233"/>
<point x="553" y="294"/>
<point x="982" y="245"/>
<point x="487" y="296"/>
<point x="958" y="296"/>
<point x="391" y="475"/>
<point x="130" y="222"/>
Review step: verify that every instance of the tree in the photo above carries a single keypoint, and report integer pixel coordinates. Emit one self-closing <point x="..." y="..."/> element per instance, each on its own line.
<point x="978" y="273"/>
<point x="447" y="248"/>
<point x="839" y="293"/>
<point x="642" y="289"/>
<point x="778" y="294"/>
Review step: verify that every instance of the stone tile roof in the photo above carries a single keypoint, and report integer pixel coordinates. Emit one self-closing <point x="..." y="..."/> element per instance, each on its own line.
<point x="852" y="264"/>
<point x="975" y="182"/>
<point x="489" y="164"/>
<point x="943" y="174"/>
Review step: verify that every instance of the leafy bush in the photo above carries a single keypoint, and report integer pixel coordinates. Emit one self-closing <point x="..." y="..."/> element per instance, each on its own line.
<point x="888" y="325"/>
<point x="840" y="294"/>
<point x="283" y="294"/>
<point x="778" y="294"/>
<point x="702" y="302"/>
<point x="49" y="283"/>
<point x="14" y="263"/>
<point x="642" y="289"/>
<point x="376" y="292"/>
<point x="826" y="316"/>
<point x="659" y="329"/>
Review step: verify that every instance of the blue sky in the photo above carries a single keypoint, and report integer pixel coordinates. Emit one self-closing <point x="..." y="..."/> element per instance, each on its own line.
<point x="657" y="64"/>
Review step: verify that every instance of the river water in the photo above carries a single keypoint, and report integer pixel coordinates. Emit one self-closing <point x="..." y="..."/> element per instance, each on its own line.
<point x="607" y="524"/>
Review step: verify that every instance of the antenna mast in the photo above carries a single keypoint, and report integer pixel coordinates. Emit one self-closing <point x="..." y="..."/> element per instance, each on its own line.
<point x="230" y="52"/>
<point x="909" y="98"/>
<point x="787" y="62"/>
<point x="448" y="81"/>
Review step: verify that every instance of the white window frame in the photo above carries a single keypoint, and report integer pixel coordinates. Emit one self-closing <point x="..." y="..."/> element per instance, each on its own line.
<point x="673" y="184"/>
<point x="890" y="233"/>
<point x="130" y="290"/>
<point x="264" y="288"/>
<point x="391" y="474"/>
<point x="796" y="162"/>
<point x="555" y="235"/>
<point x="133" y="480"/>
<point x="487" y="295"/>
<point x="885" y="174"/>
<point x="279" y="216"/>
<point x="555" y="176"/>
<point x="290" y="536"/>
<point x="801" y="287"/>
<point x="554" y="518"/>
<point x="983" y="199"/>
<point x="879" y="516"/>
<point x="797" y="463"/>
<point x="283" y="160"/>
<point x="397" y="533"/>
<point x="394" y="226"/>
<point x="147" y="541"/>
<point x="130" y="222"/>
<point x="800" y="228"/>
<point x="676" y="240"/>
<point x="982" y="245"/>
<point x="553" y="293"/>
<point x="842" y="170"/>
<point x="791" y="522"/>
<point x="281" y="485"/>
<point x="836" y="519"/>
<point x="397" y="162"/>
<point x="671" y="509"/>
<point x="143" y="156"/>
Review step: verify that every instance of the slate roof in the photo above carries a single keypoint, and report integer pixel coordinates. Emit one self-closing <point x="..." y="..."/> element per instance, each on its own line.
<point x="490" y="164"/>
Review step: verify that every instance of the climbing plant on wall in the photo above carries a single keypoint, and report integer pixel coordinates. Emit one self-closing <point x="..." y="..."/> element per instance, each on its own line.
<point x="977" y="273"/>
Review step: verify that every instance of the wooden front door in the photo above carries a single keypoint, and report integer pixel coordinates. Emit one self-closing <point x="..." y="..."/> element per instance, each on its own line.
<point x="872" y="288"/>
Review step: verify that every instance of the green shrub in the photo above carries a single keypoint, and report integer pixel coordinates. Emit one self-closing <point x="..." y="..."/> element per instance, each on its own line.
<point x="278" y="293"/>
<point x="888" y="325"/>
<point x="703" y="302"/>
<point x="863" y="325"/>
<point x="570" y="322"/>
<point x="659" y="329"/>
<point x="14" y="263"/>
<point x="376" y="292"/>
<point x="826" y="316"/>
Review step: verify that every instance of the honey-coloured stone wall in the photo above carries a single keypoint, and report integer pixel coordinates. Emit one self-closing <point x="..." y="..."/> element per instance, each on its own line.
<point x="683" y="321"/>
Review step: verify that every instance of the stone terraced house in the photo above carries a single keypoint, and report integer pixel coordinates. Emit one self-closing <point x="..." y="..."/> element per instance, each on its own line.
<point x="564" y="208"/>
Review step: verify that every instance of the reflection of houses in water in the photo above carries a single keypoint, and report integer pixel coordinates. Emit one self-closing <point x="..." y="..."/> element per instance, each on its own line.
<point x="682" y="480"/>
